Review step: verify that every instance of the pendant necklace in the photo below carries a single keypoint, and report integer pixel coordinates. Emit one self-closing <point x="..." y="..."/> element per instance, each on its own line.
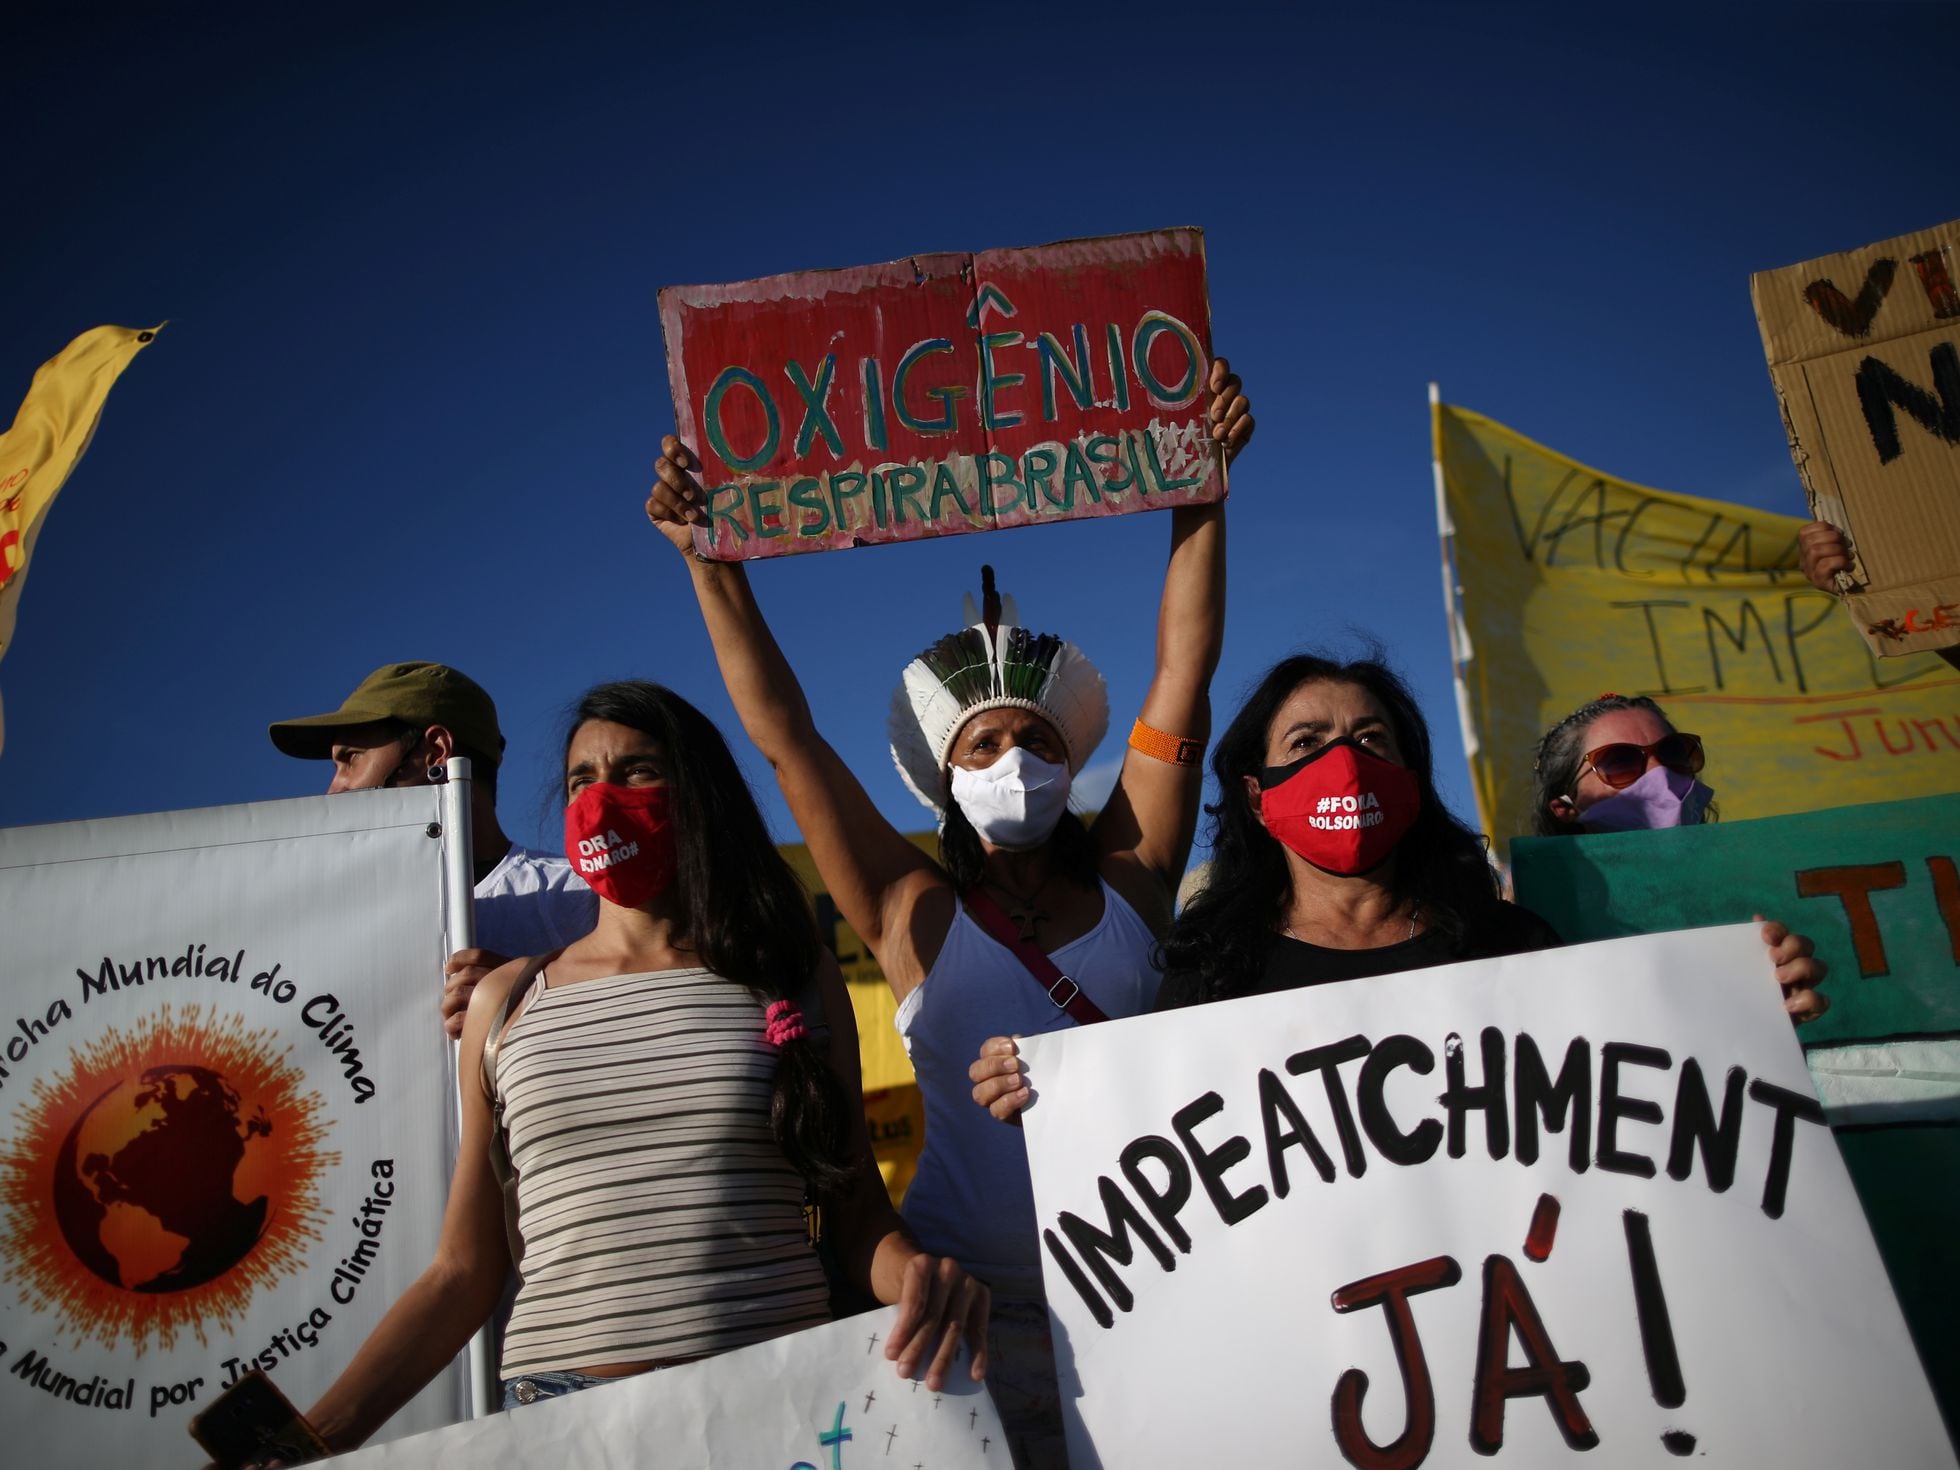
<point x="1023" y="912"/>
<point x="1287" y="929"/>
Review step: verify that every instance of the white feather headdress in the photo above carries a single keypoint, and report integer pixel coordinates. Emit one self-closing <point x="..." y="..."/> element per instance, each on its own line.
<point x="992" y="664"/>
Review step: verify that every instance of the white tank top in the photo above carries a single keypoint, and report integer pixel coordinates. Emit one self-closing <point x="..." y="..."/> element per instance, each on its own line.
<point x="971" y="1198"/>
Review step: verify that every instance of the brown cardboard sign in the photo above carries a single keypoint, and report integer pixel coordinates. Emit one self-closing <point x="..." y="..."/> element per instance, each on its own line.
<point x="946" y="393"/>
<point x="1864" y="350"/>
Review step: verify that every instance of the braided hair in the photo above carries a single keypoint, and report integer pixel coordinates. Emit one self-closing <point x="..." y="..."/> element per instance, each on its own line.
<point x="1555" y="771"/>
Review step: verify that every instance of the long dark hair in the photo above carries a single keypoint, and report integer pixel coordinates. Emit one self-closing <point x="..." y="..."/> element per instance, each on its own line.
<point x="1227" y="930"/>
<point x="1555" y="771"/>
<point x="744" y="912"/>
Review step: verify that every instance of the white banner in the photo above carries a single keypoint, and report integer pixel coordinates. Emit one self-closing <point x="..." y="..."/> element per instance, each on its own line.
<point x="824" y="1399"/>
<point x="1572" y="1207"/>
<point x="223" y="1101"/>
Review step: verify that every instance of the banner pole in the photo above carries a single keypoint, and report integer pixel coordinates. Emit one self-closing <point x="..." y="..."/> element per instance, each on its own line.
<point x="459" y="932"/>
<point x="1460" y="652"/>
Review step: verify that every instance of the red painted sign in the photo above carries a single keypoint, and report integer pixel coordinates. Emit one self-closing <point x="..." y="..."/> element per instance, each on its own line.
<point x="946" y="393"/>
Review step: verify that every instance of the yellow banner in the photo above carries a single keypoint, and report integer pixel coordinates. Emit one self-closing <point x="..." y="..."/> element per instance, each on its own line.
<point x="48" y="437"/>
<point x="1569" y="584"/>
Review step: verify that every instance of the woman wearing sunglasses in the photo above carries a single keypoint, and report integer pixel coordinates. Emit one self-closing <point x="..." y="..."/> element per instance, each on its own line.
<point x="1617" y="765"/>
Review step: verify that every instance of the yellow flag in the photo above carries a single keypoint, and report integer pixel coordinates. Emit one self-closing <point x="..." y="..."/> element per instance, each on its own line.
<point x="1568" y="583"/>
<point x="48" y="437"/>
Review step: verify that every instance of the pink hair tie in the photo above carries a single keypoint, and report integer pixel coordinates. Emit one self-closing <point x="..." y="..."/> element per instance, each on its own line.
<point x="782" y="1022"/>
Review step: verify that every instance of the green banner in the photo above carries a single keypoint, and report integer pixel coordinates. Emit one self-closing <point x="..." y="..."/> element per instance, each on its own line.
<point x="1875" y="886"/>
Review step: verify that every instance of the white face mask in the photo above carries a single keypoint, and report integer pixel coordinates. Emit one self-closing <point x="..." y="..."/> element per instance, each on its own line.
<point x="1014" y="803"/>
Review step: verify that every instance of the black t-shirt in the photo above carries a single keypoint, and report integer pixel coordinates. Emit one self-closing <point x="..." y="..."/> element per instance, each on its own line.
<point x="1293" y="963"/>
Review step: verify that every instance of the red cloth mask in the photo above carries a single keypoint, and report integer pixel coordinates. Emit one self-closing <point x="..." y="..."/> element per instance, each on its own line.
<point x="620" y="839"/>
<point x="1342" y="808"/>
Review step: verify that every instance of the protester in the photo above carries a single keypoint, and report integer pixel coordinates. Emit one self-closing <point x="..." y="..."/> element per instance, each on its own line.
<point x="1826" y="551"/>
<point x="1333" y="855"/>
<point x="989" y="726"/>
<point x="1334" y="858"/>
<point x="1617" y="765"/>
<point x="665" y="1098"/>
<point x="399" y="727"/>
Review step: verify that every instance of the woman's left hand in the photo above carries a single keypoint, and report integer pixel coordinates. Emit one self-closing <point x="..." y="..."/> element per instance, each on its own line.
<point x="1798" y="971"/>
<point x="938" y="1304"/>
<point x="1230" y="413"/>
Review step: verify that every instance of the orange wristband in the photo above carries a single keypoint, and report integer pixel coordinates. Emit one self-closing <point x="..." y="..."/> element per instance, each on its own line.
<point x="1172" y="750"/>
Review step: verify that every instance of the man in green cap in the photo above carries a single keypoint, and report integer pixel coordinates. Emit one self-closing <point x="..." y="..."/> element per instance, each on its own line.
<point x="399" y="727"/>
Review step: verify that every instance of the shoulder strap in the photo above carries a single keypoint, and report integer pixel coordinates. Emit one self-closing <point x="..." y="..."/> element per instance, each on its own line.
<point x="494" y="1042"/>
<point x="1060" y="989"/>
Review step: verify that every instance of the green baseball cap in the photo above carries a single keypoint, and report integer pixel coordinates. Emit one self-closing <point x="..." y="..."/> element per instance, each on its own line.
<point x="418" y="694"/>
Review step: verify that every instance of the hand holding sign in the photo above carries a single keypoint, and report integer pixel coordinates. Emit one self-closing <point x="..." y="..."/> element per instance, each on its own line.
<point x="999" y="1084"/>
<point x="1826" y="551"/>
<point x="674" y="505"/>
<point x="1798" y="971"/>
<point x="938" y="1305"/>
<point x="1230" y="414"/>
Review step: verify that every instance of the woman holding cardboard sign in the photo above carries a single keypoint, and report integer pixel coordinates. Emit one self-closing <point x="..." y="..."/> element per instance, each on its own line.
<point x="1030" y="920"/>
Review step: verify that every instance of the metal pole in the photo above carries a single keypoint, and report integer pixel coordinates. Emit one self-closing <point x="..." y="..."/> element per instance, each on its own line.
<point x="459" y="932"/>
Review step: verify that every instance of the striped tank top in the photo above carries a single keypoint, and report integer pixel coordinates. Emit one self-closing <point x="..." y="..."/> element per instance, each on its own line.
<point x="660" y="1219"/>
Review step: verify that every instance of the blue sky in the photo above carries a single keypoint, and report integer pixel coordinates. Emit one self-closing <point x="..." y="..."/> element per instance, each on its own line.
<point x="413" y="382"/>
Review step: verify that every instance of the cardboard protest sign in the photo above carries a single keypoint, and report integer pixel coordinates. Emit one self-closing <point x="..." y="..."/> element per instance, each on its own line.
<point x="946" y="393"/>
<point x="224" y="1105"/>
<point x="825" y="1399"/>
<point x="1576" y="1206"/>
<point x="1877" y="890"/>
<point x="1698" y="603"/>
<point x="1864" y="350"/>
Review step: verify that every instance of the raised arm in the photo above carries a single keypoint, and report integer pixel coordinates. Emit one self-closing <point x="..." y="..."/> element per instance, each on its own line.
<point x="875" y="876"/>
<point x="432" y="1321"/>
<point x="1152" y="815"/>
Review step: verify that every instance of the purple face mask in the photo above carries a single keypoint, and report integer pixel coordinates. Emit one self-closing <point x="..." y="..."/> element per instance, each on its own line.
<point x="1660" y="798"/>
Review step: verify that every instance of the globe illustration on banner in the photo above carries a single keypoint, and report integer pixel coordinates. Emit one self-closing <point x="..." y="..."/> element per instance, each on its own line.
<point x="145" y="1186"/>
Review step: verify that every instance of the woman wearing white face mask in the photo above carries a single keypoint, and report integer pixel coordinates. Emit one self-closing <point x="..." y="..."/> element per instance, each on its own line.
<point x="1031" y="920"/>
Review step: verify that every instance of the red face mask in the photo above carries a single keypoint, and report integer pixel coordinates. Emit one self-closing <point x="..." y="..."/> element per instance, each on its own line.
<point x="1342" y="808"/>
<point x="620" y="839"/>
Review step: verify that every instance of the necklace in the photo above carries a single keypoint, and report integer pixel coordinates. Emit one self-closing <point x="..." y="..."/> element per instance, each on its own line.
<point x="1287" y="929"/>
<point x="1023" y="912"/>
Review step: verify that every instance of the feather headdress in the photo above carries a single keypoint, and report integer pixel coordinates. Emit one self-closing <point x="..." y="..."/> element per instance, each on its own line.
<point x="991" y="664"/>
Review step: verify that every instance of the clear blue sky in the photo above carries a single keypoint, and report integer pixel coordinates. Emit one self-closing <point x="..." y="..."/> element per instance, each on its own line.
<point x="413" y="382"/>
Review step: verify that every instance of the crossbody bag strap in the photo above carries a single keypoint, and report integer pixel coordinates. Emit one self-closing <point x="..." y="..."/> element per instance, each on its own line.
<point x="1063" y="992"/>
